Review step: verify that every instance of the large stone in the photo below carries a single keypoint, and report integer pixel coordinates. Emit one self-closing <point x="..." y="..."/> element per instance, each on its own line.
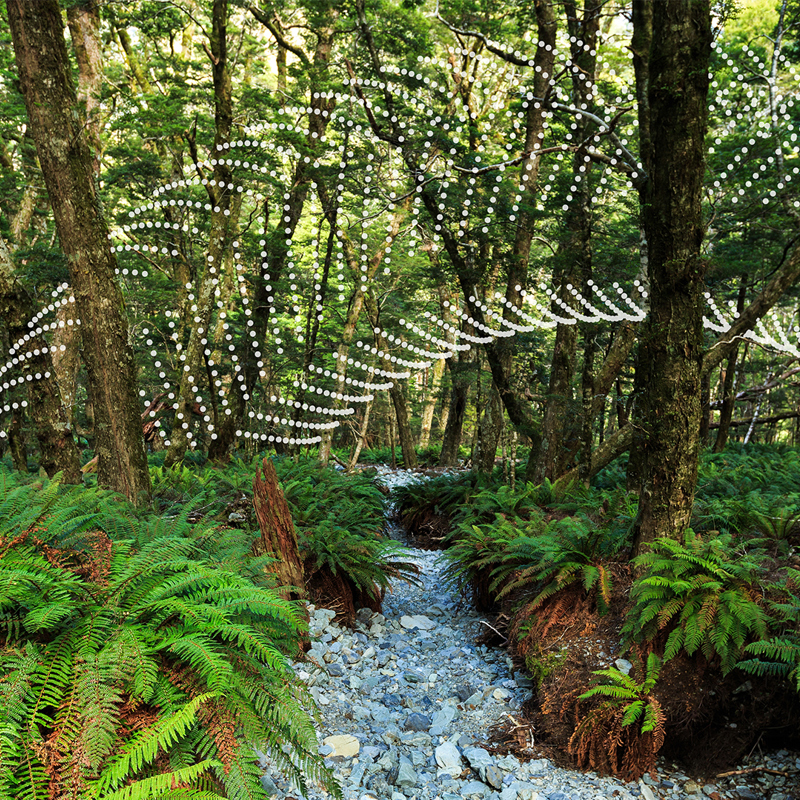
<point x="406" y="777"/>
<point x="443" y="717"/>
<point x="417" y="722"/>
<point x="494" y="777"/>
<point x="417" y="621"/>
<point x="343" y="745"/>
<point x="448" y="758"/>
<point x="474" y="788"/>
<point x="478" y="757"/>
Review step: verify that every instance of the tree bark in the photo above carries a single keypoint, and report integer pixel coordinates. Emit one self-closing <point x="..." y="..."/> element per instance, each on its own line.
<point x="83" y="18"/>
<point x="490" y="427"/>
<point x="223" y="226"/>
<point x="16" y="442"/>
<point x="573" y="259"/>
<point x="57" y="449"/>
<point x="460" y="375"/>
<point x="665" y="450"/>
<point x="429" y="407"/>
<point x="728" y="394"/>
<point x="403" y="427"/>
<point x="278" y="536"/>
<point x="44" y="73"/>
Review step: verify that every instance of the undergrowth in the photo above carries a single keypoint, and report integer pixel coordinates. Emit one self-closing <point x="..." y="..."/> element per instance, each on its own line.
<point x="138" y="668"/>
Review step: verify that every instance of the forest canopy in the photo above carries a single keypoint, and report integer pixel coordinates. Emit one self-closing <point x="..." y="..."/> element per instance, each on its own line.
<point x="468" y="228"/>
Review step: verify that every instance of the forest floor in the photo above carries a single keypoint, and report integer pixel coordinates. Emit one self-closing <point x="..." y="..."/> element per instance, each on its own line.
<point x="411" y="707"/>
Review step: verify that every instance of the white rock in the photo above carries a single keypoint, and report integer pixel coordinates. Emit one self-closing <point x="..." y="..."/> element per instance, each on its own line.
<point x="647" y="792"/>
<point x="417" y="621"/>
<point x="343" y="745"/>
<point x="448" y="758"/>
<point x="623" y="665"/>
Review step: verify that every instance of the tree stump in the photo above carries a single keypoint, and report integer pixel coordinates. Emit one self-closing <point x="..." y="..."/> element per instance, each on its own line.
<point x="278" y="536"/>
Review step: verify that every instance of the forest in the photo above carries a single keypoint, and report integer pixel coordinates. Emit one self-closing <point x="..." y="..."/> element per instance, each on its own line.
<point x="257" y="259"/>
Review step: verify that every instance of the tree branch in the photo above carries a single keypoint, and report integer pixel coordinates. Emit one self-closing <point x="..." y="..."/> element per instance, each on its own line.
<point x="278" y="36"/>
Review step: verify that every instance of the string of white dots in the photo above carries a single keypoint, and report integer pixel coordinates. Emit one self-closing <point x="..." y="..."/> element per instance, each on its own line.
<point x="237" y="368"/>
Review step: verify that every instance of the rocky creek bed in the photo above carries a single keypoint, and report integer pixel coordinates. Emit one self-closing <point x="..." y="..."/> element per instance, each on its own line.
<point x="407" y="697"/>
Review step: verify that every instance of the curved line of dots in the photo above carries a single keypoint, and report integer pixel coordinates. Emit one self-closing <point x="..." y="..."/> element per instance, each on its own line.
<point x="183" y="183"/>
<point x="765" y="123"/>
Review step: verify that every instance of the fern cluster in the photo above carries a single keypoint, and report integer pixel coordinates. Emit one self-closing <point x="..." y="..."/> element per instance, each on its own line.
<point x="605" y="738"/>
<point x="567" y="551"/>
<point x="700" y="593"/>
<point x="139" y="671"/>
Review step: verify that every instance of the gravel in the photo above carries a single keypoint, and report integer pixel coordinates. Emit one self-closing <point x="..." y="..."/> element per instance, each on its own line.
<point x="418" y="695"/>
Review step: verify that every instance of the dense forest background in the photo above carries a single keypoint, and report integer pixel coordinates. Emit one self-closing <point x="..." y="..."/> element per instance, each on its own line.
<point x="359" y="226"/>
<point x="554" y="243"/>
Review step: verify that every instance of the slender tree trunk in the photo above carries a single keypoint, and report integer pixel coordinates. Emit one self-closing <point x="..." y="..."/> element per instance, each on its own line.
<point x="728" y="393"/>
<point x="428" y="409"/>
<point x="490" y="428"/>
<point x="574" y="260"/>
<point x="44" y="73"/>
<point x="361" y="436"/>
<point x="667" y="412"/>
<point x="84" y="27"/>
<point x="705" y="408"/>
<point x="403" y="427"/>
<point x="223" y="225"/>
<point x="16" y="442"/>
<point x="461" y="378"/>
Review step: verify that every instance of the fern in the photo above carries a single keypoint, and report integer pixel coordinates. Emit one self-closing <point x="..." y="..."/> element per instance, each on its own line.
<point x="119" y="665"/>
<point x="701" y="594"/>
<point x="605" y="738"/>
<point x="568" y="551"/>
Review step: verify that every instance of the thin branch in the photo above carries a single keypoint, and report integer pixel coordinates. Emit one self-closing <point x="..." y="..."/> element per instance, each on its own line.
<point x="278" y="36"/>
<point x="519" y="61"/>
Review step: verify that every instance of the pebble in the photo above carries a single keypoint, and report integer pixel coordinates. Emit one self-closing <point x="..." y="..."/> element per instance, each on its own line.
<point x="406" y="699"/>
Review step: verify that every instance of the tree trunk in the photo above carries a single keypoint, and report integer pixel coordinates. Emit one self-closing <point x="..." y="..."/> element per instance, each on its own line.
<point x="223" y="225"/>
<point x="58" y="452"/>
<point x="665" y="448"/>
<point x="490" y="427"/>
<point x="16" y="442"/>
<point x="361" y="437"/>
<point x="460" y="374"/>
<point x="278" y="536"/>
<point x="428" y="409"/>
<point x="83" y="18"/>
<point x="573" y="260"/>
<point x="705" y="408"/>
<point x="44" y="73"/>
<point x="728" y="393"/>
<point x="403" y="427"/>
<point x="278" y="241"/>
<point x="611" y="449"/>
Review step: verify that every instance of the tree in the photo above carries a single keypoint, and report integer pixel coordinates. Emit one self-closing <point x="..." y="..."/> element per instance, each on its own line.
<point x="67" y="166"/>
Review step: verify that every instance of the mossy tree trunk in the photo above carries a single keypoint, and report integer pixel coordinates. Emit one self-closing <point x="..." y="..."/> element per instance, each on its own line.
<point x="43" y="67"/>
<point x="57" y="449"/>
<point x="666" y="419"/>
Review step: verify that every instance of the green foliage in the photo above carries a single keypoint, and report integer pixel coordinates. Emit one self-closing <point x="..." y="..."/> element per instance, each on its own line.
<point x="125" y="667"/>
<point x="635" y="699"/>
<point x="779" y="655"/>
<point x="445" y="494"/>
<point x="702" y="592"/>
<point x="366" y="561"/>
<point x="478" y="549"/>
<point x="566" y="552"/>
